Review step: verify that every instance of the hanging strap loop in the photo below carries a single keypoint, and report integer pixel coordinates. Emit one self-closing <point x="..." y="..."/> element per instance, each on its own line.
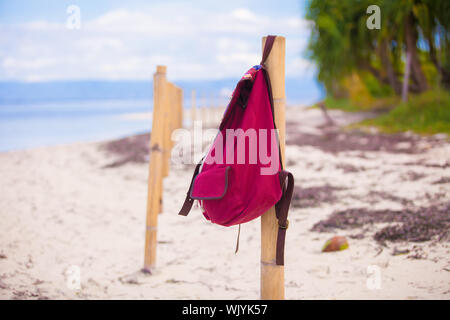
<point x="188" y="202"/>
<point x="267" y="49"/>
<point x="282" y="210"/>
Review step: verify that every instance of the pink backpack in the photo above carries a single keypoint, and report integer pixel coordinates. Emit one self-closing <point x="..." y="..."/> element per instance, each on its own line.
<point x="241" y="176"/>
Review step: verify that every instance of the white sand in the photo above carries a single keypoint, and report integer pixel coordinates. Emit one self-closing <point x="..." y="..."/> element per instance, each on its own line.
<point x="61" y="211"/>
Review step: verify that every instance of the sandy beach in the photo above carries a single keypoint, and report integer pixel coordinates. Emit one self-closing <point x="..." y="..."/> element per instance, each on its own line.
<point x="80" y="208"/>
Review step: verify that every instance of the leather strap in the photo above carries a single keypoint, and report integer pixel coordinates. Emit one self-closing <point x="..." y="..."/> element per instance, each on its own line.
<point x="188" y="202"/>
<point x="267" y="47"/>
<point x="281" y="210"/>
<point x="237" y="240"/>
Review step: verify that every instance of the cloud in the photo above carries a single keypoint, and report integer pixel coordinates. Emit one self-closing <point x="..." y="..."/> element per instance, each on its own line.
<point x="244" y="14"/>
<point x="247" y="59"/>
<point x="225" y="92"/>
<point x="128" y="44"/>
<point x="300" y="66"/>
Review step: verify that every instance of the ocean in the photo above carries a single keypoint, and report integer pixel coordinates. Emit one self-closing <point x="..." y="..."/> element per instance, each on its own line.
<point x="43" y="124"/>
<point x="51" y="113"/>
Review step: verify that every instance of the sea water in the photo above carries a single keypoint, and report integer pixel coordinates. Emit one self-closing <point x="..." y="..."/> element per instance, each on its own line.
<point x="61" y="112"/>
<point x="29" y="125"/>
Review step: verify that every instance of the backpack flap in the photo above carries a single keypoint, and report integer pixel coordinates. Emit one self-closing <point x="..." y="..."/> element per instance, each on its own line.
<point x="211" y="184"/>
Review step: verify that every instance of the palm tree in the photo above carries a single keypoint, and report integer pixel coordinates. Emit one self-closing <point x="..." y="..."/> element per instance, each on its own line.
<point x="341" y="43"/>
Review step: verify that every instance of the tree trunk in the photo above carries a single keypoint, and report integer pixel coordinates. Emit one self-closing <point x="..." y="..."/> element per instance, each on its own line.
<point x="406" y="77"/>
<point x="411" y="47"/>
<point x="375" y="72"/>
<point x="412" y="87"/>
<point x="387" y="64"/>
<point x="322" y="106"/>
<point x="445" y="74"/>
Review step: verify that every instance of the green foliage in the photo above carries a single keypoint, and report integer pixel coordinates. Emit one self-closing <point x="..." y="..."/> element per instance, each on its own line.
<point x="363" y="69"/>
<point x="427" y="113"/>
<point x="341" y="44"/>
<point x="346" y="104"/>
<point x="375" y="88"/>
<point x="343" y="104"/>
<point x="330" y="45"/>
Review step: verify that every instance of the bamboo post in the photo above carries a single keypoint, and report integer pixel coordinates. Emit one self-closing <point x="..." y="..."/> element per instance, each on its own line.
<point x="217" y="109"/>
<point x="179" y="109"/>
<point x="218" y="115"/>
<point x="154" y="194"/>
<point x="193" y="108"/>
<point x="169" y="124"/>
<point x="272" y="275"/>
<point x="211" y="109"/>
<point x="173" y="114"/>
<point x="204" y="111"/>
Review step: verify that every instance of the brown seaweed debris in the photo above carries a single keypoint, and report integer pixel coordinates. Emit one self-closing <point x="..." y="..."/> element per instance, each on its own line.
<point x="442" y="180"/>
<point x="412" y="176"/>
<point x="377" y="196"/>
<point x="427" y="165"/>
<point x="349" y="168"/>
<point x="339" y="140"/>
<point x="416" y="224"/>
<point x="133" y="149"/>
<point x="314" y="196"/>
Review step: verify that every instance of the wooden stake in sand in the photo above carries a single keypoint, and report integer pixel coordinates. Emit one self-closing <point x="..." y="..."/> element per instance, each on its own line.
<point x="154" y="195"/>
<point x="173" y="113"/>
<point x="212" y="118"/>
<point x="173" y="119"/>
<point x="169" y="123"/>
<point x="193" y="108"/>
<point x="272" y="275"/>
<point x="203" y="111"/>
<point x="179" y="107"/>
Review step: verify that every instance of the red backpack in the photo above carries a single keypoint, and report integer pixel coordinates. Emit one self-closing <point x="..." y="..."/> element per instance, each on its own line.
<point x="241" y="176"/>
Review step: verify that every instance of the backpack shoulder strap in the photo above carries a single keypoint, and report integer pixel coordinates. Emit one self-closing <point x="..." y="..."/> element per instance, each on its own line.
<point x="281" y="210"/>
<point x="188" y="202"/>
<point x="282" y="206"/>
<point x="267" y="49"/>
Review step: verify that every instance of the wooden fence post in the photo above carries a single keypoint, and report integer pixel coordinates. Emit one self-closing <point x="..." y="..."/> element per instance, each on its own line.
<point x="154" y="194"/>
<point x="272" y="275"/>
<point x="193" y="108"/>
<point x="211" y="109"/>
<point x="217" y="109"/>
<point x="203" y="108"/>
<point x="173" y="114"/>
<point x="169" y="123"/>
<point x="179" y="109"/>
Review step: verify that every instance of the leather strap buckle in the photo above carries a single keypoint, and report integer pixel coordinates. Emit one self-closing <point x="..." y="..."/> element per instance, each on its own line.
<point x="285" y="226"/>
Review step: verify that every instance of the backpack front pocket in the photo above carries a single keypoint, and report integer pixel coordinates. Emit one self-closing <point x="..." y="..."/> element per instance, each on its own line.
<point x="211" y="184"/>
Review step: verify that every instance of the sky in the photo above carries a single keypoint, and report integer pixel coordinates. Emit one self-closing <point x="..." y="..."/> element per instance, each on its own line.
<point x="125" y="40"/>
